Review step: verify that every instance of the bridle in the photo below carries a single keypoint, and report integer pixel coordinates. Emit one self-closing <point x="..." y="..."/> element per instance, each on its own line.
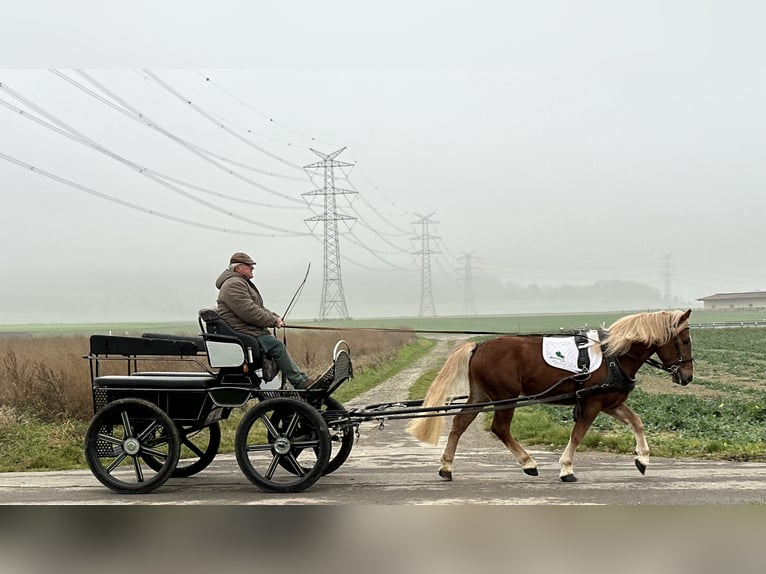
<point x="673" y="367"/>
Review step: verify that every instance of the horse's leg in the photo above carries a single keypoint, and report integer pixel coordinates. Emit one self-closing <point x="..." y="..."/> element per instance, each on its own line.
<point x="501" y="426"/>
<point x="460" y="422"/>
<point x="626" y="416"/>
<point x="581" y="426"/>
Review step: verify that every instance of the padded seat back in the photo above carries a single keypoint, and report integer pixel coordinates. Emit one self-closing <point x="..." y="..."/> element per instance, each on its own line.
<point x="221" y="342"/>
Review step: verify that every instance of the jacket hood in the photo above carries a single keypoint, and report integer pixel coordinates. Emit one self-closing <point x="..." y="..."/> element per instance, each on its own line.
<point x="227" y="275"/>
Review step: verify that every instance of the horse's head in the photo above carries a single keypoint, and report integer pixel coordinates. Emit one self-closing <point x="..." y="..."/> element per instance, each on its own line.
<point x="676" y="353"/>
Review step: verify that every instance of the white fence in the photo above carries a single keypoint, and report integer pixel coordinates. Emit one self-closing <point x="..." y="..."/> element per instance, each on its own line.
<point x="727" y="324"/>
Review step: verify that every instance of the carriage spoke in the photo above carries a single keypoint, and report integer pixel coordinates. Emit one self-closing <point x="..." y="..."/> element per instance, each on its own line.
<point x="272" y="467"/>
<point x="126" y="424"/>
<point x="305" y="443"/>
<point x="270" y="428"/>
<point x="109" y="438"/>
<point x="116" y="462"/>
<point x="139" y="470"/>
<point x="158" y="454"/>
<point x="258" y="447"/>
<point x="149" y="430"/>
<point x="292" y="424"/>
<point x="193" y="447"/>
<point x="297" y="468"/>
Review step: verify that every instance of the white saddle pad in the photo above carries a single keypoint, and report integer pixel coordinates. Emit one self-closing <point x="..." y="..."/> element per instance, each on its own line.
<point x="562" y="352"/>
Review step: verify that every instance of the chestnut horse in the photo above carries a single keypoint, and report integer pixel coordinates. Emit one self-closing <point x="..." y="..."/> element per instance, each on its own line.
<point x="512" y="367"/>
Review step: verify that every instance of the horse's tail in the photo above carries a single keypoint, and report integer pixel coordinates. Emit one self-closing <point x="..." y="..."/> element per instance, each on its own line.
<point x="454" y="371"/>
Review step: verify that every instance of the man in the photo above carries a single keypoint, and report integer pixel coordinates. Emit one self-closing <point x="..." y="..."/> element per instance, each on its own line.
<point x="240" y="304"/>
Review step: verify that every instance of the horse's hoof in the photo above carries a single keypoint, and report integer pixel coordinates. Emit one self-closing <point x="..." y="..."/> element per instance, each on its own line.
<point x="640" y="466"/>
<point x="568" y="478"/>
<point x="445" y="474"/>
<point x="530" y="471"/>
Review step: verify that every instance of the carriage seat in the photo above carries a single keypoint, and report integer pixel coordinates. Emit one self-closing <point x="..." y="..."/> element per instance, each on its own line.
<point x="225" y="346"/>
<point x="174" y="381"/>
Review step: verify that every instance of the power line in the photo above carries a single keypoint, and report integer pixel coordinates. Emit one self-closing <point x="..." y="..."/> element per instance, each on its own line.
<point x="221" y="125"/>
<point x="77" y="136"/>
<point x="366" y="225"/>
<point x="210" y="116"/>
<point x="348" y="259"/>
<point x="401" y="231"/>
<point x="138" y="115"/>
<point x="266" y="117"/>
<point x="226" y="196"/>
<point x="114" y="101"/>
<point x="144" y="170"/>
<point x="127" y="203"/>
<point x="126" y="109"/>
<point x="313" y="139"/>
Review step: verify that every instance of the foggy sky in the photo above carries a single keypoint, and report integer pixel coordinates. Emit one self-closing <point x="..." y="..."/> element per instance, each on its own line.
<point x="556" y="142"/>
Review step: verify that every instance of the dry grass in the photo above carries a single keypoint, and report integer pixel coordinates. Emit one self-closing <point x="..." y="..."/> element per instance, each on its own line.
<point x="49" y="378"/>
<point x="45" y="377"/>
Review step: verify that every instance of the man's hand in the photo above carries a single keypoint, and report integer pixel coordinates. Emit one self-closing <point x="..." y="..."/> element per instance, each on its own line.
<point x="280" y="322"/>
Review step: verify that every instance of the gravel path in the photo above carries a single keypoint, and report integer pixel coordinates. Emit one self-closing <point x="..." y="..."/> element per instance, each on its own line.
<point x="393" y="434"/>
<point x="397" y="387"/>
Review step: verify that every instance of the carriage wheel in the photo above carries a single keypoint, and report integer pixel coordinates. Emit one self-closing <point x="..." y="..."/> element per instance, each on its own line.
<point x="198" y="449"/>
<point x="341" y="439"/>
<point x="300" y="441"/>
<point x="120" y="438"/>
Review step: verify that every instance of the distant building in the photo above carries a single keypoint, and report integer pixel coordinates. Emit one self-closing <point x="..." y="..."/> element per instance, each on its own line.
<point x="746" y="300"/>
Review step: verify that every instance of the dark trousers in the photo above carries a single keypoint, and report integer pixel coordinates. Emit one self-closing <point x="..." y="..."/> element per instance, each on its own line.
<point x="274" y="348"/>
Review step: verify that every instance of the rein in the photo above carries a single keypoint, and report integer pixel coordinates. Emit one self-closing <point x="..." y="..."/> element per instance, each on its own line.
<point x="442" y="332"/>
<point x="672" y="369"/>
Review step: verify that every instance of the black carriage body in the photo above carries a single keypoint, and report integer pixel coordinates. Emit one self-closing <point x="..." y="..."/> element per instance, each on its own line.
<point x="184" y="404"/>
<point x="143" y="418"/>
<point x="188" y="397"/>
<point x="184" y="395"/>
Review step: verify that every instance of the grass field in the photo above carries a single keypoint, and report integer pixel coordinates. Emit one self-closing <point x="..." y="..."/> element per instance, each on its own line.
<point x="538" y="323"/>
<point x="532" y="323"/>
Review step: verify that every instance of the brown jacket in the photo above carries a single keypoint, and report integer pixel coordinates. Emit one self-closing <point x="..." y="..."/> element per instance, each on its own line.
<point x="240" y="304"/>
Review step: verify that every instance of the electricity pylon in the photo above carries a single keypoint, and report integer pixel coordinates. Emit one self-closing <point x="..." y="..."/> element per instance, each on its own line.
<point x="426" y="291"/>
<point x="333" y="297"/>
<point x="667" y="274"/>
<point x="469" y="307"/>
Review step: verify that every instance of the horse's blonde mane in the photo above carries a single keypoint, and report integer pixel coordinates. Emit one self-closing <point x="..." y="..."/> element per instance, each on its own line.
<point x="649" y="328"/>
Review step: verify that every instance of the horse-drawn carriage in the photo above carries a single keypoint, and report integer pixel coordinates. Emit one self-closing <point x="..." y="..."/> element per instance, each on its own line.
<point x="151" y="425"/>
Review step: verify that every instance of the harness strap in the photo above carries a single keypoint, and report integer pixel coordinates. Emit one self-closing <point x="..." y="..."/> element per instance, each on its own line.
<point x="616" y="380"/>
<point x="583" y="359"/>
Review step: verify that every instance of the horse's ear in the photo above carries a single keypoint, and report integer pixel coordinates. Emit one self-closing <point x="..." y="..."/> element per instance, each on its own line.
<point x="685" y="316"/>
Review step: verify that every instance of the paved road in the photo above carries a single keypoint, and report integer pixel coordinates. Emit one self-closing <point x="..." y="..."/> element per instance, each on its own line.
<point x="388" y="467"/>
